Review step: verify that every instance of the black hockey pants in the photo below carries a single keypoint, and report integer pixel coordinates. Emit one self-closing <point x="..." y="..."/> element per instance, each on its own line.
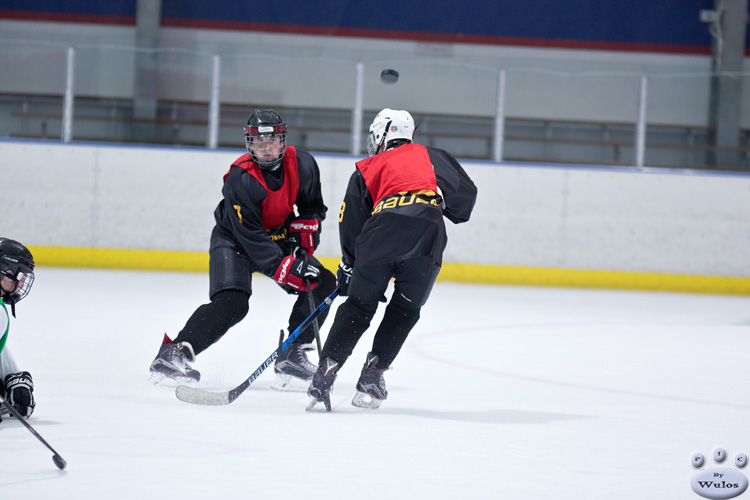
<point x="414" y="279"/>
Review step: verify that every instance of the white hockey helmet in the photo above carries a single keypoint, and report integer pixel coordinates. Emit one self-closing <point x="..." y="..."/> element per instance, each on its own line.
<point x="389" y="125"/>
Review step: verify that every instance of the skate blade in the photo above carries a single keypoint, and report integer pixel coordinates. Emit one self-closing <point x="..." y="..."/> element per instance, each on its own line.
<point x="362" y="400"/>
<point x="287" y="383"/>
<point x="313" y="402"/>
<point x="157" y="378"/>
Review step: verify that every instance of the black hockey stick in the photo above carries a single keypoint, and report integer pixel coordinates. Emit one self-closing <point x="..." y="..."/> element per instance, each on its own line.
<point x="198" y="396"/>
<point x="311" y="302"/>
<point x="59" y="461"/>
<point x="316" y="328"/>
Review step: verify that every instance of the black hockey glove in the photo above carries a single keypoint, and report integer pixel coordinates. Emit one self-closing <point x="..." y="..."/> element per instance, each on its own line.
<point x="304" y="234"/>
<point x="293" y="274"/>
<point x="19" y="390"/>
<point x="343" y="277"/>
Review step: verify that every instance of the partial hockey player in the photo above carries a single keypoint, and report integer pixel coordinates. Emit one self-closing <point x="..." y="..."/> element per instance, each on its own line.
<point x="16" y="278"/>
<point x="390" y="226"/>
<point x="269" y="221"/>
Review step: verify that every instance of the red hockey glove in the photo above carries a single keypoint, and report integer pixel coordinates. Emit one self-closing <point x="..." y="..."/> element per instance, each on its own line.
<point x="304" y="234"/>
<point x="294" y="272"/>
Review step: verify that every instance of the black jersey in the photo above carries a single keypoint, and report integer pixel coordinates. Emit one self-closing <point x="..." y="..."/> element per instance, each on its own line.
<point x="404" y="224"/>
<point x="239" y="216"/>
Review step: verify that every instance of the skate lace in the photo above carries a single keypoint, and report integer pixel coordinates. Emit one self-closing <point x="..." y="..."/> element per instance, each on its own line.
<point x="299" y="356"/>
<point x="297" y="353"/>
<point x="372" y="375"/>
<point x="177" y="356"/>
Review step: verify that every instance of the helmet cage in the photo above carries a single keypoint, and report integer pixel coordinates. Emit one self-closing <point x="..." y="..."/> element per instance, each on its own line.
<point x="258" y="125"/>
<point x="14" y="287"/>
<point x="389" y="125"/>
<point x="375" y="140"/>
<point x="16" y="271"/>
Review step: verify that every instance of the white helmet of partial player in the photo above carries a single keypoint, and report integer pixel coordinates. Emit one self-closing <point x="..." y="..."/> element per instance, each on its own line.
<point x="389" y="125"/>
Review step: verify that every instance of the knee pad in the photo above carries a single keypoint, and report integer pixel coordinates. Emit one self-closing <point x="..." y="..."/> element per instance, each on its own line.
<point x="403" y="307"/>
<point x="231" y="304"/>
<point x="366" y="309"/>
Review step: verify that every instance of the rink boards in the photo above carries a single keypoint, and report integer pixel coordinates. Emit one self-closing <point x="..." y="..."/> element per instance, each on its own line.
<point x="542" y="225"/>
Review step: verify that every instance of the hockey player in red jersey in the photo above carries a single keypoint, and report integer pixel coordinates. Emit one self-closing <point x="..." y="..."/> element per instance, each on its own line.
<point x="268" y="222"/>
<point x="16" y="278"/>
<point x="390" y="226"/>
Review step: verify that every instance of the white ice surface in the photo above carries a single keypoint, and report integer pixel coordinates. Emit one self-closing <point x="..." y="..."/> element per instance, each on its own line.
<point x="499" y="393"/>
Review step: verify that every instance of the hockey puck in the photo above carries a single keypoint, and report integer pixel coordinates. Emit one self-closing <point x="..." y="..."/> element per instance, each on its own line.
<point x="389" y="76"/>
<point x="59" y="461"/>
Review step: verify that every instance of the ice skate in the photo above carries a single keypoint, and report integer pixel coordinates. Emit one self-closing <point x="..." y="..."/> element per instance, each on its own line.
<point x="371" y="385"/>
<point x="292" y="367"/>
<point x="322" y="384"/>
<point x="287" y="383"/>
<point x="171" y="364"/>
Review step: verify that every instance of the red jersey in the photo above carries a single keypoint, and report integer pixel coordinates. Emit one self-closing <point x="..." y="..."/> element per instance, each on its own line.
<point x="278" y="204"/>
<point x="405" y="168"/>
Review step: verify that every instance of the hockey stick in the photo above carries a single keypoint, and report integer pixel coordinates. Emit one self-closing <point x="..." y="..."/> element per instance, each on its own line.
<point x="316" y="328"/>
<point x="59" y="461"/>
<point x="198" y="396"/>
<point x="311" y="302"/>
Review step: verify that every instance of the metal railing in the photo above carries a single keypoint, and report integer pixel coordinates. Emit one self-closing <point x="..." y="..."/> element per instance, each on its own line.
<point x="496" y="132"/>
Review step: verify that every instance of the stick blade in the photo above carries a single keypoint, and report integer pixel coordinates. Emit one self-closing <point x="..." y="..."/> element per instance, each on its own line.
<point x="60" y="463"/>
<point x="197" y="396"/>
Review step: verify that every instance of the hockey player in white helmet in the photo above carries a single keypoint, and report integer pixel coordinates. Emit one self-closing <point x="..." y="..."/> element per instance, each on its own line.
<point x="390" y="226"/>
<point x="16" y="278"/>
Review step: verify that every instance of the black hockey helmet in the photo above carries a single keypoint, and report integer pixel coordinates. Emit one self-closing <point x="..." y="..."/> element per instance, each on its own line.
<point x="16" y="272"/>
<point x="262" y="125"/>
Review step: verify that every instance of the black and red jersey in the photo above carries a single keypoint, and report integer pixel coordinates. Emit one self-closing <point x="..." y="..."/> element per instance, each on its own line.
<point x="279" y="203"/>
<point x="259" y="204"/>
<point x="398" y="170"/>
<point x="395" y="203"/>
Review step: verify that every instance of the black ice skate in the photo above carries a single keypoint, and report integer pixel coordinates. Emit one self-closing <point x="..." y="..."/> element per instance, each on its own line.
<point x="292" y="369"/>
<point x="322" y="384"/>
<point x="371" y="385"/>
<point x="172" y="362"/>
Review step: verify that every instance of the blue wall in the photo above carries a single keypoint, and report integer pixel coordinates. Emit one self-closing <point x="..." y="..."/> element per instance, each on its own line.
<point x="641" y="25"/>
<point x="67" y="10"/>
<point x="668" y="22"/>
